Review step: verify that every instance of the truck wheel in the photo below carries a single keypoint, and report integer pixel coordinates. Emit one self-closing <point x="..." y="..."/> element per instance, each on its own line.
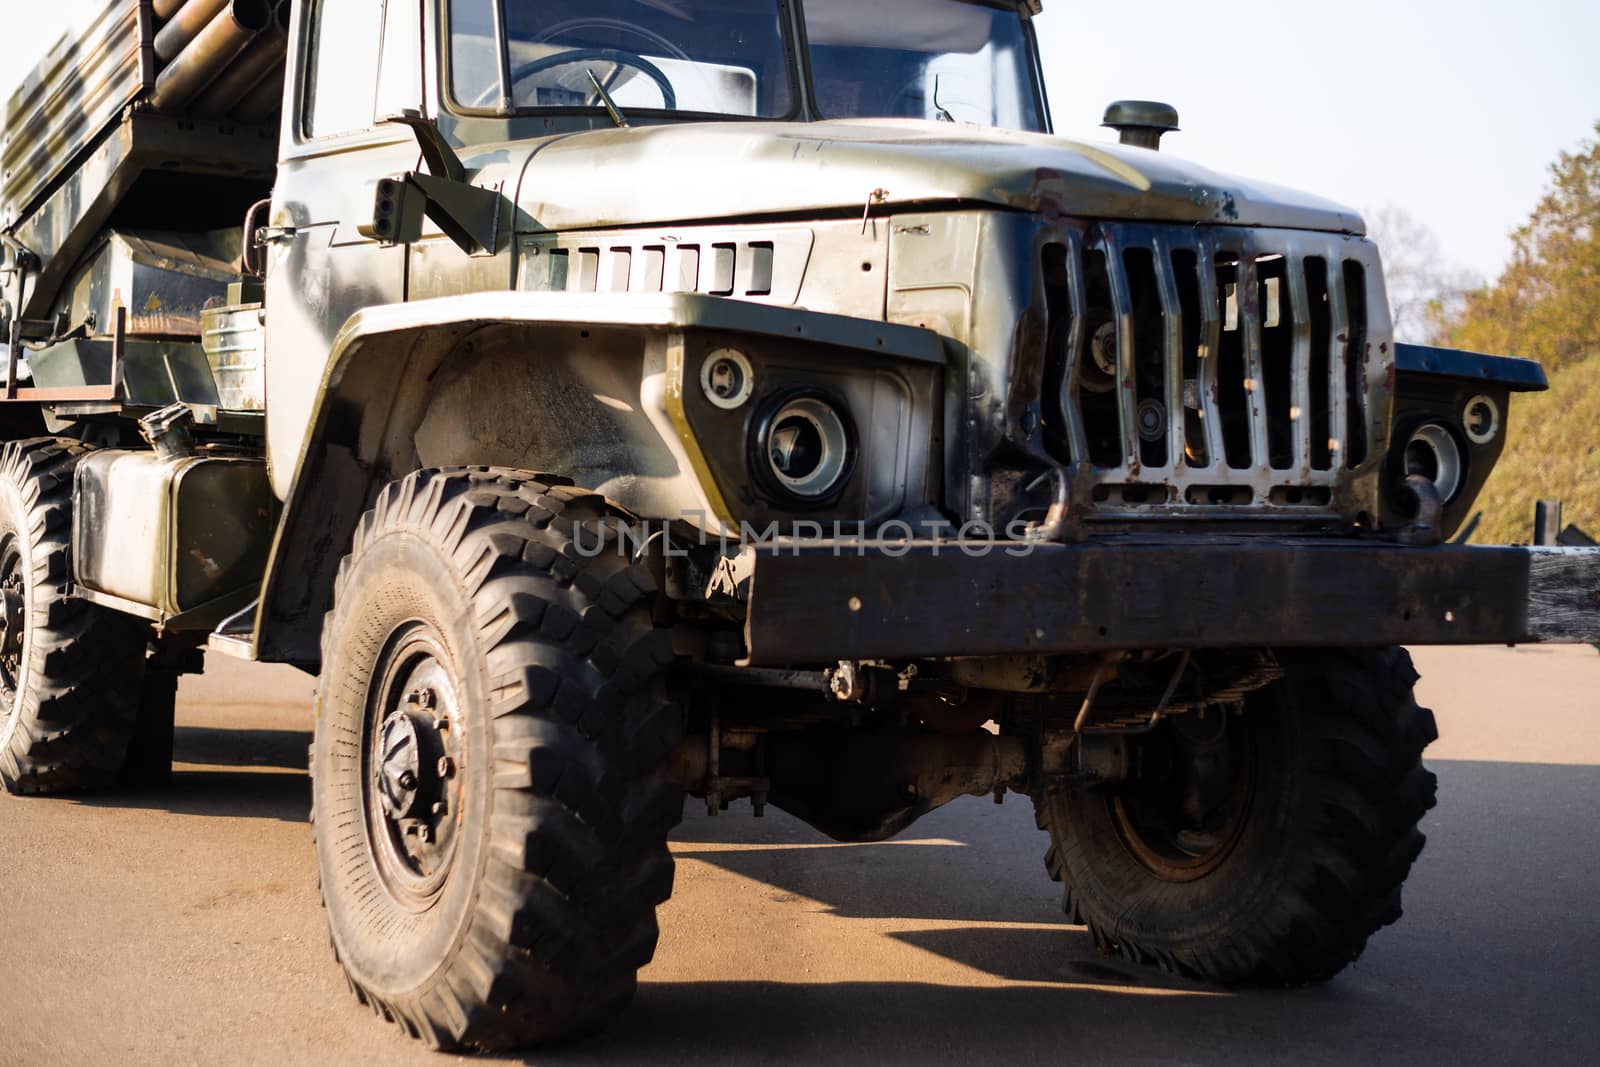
<point x="490" y="787"/>
<point x="70" y="671"/>
<point x="1256" y="848"/>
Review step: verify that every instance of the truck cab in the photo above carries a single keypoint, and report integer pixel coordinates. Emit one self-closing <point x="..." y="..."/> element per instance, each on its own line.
<point x="734" y="399"/>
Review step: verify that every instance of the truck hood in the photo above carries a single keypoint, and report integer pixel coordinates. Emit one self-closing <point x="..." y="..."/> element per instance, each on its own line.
<point x="705" y="171"/>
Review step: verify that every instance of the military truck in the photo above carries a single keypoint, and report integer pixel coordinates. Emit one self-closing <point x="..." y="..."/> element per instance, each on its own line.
<point x="744" y="399"/>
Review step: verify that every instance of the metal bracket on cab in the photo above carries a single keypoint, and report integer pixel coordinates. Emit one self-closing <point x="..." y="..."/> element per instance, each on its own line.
<point x="468" y="214"/>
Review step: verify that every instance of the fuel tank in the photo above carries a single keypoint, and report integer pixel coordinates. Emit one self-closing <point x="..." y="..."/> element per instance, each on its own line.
<point x="170" y="533"/>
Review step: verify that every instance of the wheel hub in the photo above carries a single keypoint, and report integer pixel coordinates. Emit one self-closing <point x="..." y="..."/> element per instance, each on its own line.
<point x="1182" y="822"/>
<point x="404" y="775"/>
<point x="414" y="786"/>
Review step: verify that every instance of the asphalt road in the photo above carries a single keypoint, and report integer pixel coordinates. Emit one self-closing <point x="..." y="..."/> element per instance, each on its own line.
<point x="183" y="927"/>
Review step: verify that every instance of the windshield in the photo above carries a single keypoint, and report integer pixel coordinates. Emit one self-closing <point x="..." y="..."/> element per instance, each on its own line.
<point x="943" y="60"/>
<point x="948" y="60"/>
<point x="717" y="57"/>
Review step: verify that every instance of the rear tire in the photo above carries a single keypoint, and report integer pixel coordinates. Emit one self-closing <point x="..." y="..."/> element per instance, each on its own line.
<point x="490" y="792"/>
<point x="70" y="671"/>
<point x="1262" y="848"/>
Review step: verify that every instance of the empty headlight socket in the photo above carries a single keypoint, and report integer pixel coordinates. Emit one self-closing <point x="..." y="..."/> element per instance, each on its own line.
<point x="837" y="444"/>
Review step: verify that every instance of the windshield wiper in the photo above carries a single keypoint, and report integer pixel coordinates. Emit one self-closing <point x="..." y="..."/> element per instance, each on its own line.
<point x="939" y="109"/>
<point x="605" y="98"/>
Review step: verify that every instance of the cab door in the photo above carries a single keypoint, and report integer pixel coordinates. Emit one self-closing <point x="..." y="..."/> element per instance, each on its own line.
<point x="320" y="269"/>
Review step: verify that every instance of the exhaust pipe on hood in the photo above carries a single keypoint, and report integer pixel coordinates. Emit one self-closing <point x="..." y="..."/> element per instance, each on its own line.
<point x="218" y="44"/>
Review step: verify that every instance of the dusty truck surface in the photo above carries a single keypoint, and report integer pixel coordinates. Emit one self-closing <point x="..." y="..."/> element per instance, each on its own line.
<point x="619" y="400"/>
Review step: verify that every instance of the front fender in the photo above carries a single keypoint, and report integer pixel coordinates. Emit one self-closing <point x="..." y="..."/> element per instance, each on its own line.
<point x="602" y="388"/>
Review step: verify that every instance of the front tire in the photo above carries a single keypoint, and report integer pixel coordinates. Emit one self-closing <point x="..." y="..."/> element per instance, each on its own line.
<point x="491" y="797"/>
<point x="1260" y="848"/>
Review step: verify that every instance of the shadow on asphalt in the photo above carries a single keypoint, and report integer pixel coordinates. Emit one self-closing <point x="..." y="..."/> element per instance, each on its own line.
<point x="285" y="749"/>
<point x="219" y="795"/>
<point x="907" y="1022"/>
<point x="236" y="774"/>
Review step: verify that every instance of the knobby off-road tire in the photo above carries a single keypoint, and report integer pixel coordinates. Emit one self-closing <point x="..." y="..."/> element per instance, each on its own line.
<point x="70" y="671"/>
<point x="1286" y="882"/>
<point x="484" y="678"/>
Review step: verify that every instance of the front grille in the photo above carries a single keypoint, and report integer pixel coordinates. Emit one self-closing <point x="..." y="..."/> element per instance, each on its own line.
<point x="1211" y="367"/>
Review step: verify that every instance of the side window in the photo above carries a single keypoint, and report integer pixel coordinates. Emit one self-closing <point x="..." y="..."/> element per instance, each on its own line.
<point x="400" y="76"/>
<point x="474" y="54"/>
<point x="342" y="77"/>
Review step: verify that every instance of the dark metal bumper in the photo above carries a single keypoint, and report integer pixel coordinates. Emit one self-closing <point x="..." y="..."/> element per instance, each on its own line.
<point x="818" y="603"/>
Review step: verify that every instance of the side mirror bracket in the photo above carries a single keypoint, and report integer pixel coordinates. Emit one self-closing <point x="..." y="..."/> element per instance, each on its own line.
<point x="437" y="152"/>
<point x="468" y="214"/>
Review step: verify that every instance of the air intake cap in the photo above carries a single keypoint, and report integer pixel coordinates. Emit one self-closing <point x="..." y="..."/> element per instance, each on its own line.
<point x="1142" y="123"/>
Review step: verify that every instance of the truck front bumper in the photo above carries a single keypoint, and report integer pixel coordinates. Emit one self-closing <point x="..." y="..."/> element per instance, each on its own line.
<point x="820" y="602"/>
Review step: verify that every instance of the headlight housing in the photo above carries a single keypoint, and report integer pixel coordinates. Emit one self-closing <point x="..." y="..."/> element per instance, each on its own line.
<point x="803" y="448"/>
<point x="1451" y="412"/>
<point x="1433" y="453"/>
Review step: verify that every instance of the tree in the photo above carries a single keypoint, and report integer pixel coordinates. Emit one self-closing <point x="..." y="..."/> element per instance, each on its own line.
<point x="1546" y="305"/>
<point x="1423" y="285"/>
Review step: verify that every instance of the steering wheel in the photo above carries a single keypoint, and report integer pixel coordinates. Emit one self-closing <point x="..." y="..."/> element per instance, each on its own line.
<point x="669" y="96"/>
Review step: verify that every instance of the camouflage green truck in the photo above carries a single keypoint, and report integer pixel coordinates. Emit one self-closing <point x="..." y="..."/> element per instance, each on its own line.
<point x="744" y="399"/>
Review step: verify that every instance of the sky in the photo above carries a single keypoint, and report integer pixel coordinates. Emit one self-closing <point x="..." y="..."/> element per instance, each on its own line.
<point x="1451" y="110"/>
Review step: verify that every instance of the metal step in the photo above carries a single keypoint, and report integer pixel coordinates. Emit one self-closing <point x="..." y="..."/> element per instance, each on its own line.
<point x="236" y="636"/>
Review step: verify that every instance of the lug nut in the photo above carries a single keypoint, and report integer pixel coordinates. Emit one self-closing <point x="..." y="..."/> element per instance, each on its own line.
<point x="447" y="767"/>
<point x="408" y="780"/>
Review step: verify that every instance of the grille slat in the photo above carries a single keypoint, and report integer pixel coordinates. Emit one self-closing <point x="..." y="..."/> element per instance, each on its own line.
<point x="1339" y="340"/>
<point x="1172" y="349"/>
<point x="1211" y="341"/>
<point x="1241" y="355"/>
<point x="1077" y="345"/>
<point x="1127" y="390"/>
<point x="1255" y="371"/>
<point x="1300" y="368"/>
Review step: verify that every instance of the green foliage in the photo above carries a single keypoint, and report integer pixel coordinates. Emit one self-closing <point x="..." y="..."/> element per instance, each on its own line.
<point x="1553" y="454"/>
<point x="1546" y="305"/>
